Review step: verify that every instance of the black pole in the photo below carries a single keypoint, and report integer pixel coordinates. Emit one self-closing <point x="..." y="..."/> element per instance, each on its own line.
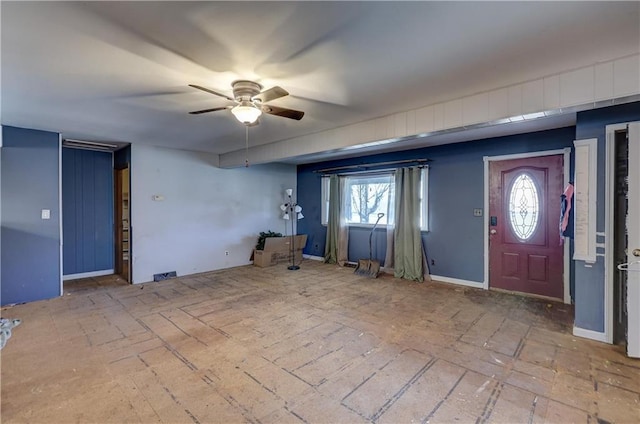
<point x="293" y="265"/>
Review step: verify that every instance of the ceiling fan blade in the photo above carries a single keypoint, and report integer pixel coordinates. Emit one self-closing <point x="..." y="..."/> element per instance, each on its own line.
<point x="212" y="92"/>
<point x="281" y="111"/>
<point x="198" y="112"/>
<point x="271" y="94"/>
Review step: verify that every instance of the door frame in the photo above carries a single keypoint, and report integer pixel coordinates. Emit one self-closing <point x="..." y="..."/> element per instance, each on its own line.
<point x="566" y="169"/>
<point x="117" y="221"/>
<point x="60" y="212"/>
<point x="609" y="193"/>
<point x="117" y="214"/>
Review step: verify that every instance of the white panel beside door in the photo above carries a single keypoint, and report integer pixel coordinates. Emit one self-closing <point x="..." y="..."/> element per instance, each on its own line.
<point x="586" y="185"/>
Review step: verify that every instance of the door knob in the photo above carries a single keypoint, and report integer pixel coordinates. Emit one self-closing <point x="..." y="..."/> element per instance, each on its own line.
<point x="636" y="252"/>
<point x="493" y="231"/>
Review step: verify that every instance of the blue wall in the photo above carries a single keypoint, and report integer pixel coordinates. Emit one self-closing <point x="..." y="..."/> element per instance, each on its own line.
<point x="30" y="245"/>
<point x="456" y="185"/>
<point x="589" y="290"/>
<point x="87" y="211"/>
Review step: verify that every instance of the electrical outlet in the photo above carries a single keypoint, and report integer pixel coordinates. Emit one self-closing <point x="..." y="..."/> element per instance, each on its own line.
<point x="477" y="212"/>
<point x="226" y="253"/>
<point x="433" y="262"/>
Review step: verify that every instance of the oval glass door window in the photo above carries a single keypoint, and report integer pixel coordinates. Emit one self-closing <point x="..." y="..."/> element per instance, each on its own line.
<point x="524" y="204"/>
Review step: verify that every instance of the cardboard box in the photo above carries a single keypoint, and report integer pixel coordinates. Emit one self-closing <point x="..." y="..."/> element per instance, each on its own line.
<point x="278" y="250"/>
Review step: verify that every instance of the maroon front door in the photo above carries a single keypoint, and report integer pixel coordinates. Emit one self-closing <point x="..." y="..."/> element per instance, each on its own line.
<point x="525" y="254"/>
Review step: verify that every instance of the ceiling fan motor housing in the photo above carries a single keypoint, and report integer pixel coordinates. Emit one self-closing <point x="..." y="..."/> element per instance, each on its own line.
<point x="244" y="90"/>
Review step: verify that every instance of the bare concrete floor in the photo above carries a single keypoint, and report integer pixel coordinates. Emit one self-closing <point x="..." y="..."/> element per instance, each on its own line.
<point x="318" y="345"/>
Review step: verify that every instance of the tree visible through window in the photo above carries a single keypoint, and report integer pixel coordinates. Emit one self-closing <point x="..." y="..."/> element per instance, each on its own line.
<point x="369" y="196"/>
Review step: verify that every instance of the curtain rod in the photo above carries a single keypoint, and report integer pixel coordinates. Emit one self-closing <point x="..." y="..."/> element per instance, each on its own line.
<point x="366" y="166"/>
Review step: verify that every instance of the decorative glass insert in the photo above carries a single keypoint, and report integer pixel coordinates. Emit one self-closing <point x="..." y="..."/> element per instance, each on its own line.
<point x="524" y="205"/>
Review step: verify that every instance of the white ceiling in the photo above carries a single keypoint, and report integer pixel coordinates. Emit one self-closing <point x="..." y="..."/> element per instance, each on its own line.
<point x="118" y="71"/>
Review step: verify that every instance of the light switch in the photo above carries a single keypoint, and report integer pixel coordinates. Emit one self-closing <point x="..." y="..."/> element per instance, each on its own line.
<point x="46" y="214"/>
<point x="157" y="198"/>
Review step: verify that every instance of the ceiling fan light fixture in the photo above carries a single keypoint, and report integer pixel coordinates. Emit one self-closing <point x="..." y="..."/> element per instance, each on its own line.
<point x="251" y="102"/>
<point x="246" y="112"/>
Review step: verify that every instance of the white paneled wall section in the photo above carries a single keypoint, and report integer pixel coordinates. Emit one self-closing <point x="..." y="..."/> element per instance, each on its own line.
<point x="579" y="88"/>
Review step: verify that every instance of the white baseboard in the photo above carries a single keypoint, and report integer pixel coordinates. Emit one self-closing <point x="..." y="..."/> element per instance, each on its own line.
<point x="87" y="274"/>
<point x="468" y="283"/>
<point x="314" y="258"/>
<point x="590" y="334"/>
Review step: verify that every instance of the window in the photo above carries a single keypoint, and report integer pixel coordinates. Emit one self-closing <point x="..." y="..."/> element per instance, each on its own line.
<point x="369" y="195"/>
<point x="523" y="207"/>
<point x="372" y="194"/>
<point x="324" y="214"/>
<point x="424" y="199"/>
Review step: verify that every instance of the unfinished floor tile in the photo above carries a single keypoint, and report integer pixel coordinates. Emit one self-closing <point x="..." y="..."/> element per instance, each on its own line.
<point x="319" y="345"/>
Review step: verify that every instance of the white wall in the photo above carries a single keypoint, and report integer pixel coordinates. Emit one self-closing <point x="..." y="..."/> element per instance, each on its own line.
<point x="205" y="212"/>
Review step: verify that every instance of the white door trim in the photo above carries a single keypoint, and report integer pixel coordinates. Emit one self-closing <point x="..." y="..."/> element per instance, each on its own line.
<point x="566" y="260"/>
<point x="60" y="213"/>
<point x="633" y="229"/>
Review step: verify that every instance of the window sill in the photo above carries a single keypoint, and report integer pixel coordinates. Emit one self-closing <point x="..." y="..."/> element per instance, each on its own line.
<point x="363" y="225"/>
<point x="381" y="226"/>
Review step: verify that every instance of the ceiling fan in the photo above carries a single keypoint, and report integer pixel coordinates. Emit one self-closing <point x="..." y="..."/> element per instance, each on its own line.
<point x="251" y="102"/>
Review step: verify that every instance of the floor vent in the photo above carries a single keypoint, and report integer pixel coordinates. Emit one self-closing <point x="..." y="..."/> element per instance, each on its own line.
<point x="164" y="276"/>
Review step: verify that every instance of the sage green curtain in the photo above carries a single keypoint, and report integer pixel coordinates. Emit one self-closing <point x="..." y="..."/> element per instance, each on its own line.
<point x="391" y="229"/>
<point x="408" y="251"/>
<point x="336" y="246"/>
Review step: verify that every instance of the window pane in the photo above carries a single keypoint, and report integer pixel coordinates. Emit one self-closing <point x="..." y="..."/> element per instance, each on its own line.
<point x="368" y="197"/>
<point x="324" y="193"/>
<point x="523" y="207"/>
<point x="424" y="199"/>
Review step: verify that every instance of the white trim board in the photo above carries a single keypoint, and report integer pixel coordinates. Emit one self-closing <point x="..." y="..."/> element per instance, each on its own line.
<point x="313" y="257"/>
<point x="60" y="212"/>
<point x="457" y="281"/>
<point x="566" y="152"/>
<point x="87" y="274"/>
<point x="527" y="155"/>
<point x="567" y="251"/>
<point x="590" y="334"/>
<point x="585" y="199"/>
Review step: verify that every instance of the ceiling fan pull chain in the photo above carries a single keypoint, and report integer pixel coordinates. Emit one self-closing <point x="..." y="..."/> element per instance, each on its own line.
<point x="246" y="139"/>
